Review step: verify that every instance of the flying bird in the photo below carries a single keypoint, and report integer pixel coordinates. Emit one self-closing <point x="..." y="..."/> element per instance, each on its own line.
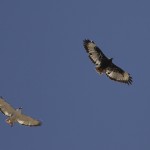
<point x="15" y="115"/>
<point x="104" y="64"/>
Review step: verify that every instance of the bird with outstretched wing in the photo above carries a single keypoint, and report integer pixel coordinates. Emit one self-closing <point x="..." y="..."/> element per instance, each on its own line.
<point x="15" y="115"/>
<point x="104" y="64"/>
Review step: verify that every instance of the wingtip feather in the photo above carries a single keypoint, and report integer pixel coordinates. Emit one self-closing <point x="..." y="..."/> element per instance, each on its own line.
<point x="86" y="43"/>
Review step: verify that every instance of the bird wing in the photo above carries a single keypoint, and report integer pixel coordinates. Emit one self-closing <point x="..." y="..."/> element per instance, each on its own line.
<point x="27" y="121"/>
<point x="6" y="108"/>
<point x="118" y="74"/>
<point x="95" y="53"/>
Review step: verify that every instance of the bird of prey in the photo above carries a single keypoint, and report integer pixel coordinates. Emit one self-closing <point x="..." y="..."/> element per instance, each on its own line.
<point x="104" y="64"/>
<point x="15" y="115"/>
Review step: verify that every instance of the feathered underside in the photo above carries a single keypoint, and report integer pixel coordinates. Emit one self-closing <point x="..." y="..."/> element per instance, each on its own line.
<point x="117" y="74"/>
<point x="105" y="65"/>
<point x="6" y="108"/>
<point x="27" y="121"/>
<point x="95" y="53"/>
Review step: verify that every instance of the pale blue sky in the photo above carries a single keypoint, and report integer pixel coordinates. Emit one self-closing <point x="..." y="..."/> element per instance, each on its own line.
<point x="45" y="69"/>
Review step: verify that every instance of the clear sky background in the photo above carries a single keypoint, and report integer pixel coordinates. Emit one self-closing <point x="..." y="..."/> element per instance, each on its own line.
<point x="45" y="69"/>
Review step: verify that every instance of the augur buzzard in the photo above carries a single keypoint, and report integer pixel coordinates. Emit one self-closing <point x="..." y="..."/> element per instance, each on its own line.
<point x="14" y="115"/>
<point x="104" y="64"/>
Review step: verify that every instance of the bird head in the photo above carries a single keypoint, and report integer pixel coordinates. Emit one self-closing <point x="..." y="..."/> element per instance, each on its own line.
<point x="110" y="59"/>
<point x="19" y="109"/>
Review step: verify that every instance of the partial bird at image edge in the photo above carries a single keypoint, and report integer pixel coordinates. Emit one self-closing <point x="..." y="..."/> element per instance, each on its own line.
<point x="15" y="115"/>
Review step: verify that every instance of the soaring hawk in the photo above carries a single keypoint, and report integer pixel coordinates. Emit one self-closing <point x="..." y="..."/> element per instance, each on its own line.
<point x="104" y="64"/>
<point x="15" y="115"/>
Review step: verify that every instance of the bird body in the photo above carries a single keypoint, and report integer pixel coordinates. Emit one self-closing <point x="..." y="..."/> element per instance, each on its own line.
<point x="15" y="115"/>
<point x="104" y="64"/>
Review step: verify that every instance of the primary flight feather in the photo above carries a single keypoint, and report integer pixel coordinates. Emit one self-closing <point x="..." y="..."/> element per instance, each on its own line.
<point x="104" y="64"/>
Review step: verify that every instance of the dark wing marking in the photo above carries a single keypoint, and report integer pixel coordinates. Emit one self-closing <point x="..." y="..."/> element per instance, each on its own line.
<point x="95" y="53"/>
<point x="27" y="121"/>
<point x="6" y="108"/>
<point x="117" y="74"/>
